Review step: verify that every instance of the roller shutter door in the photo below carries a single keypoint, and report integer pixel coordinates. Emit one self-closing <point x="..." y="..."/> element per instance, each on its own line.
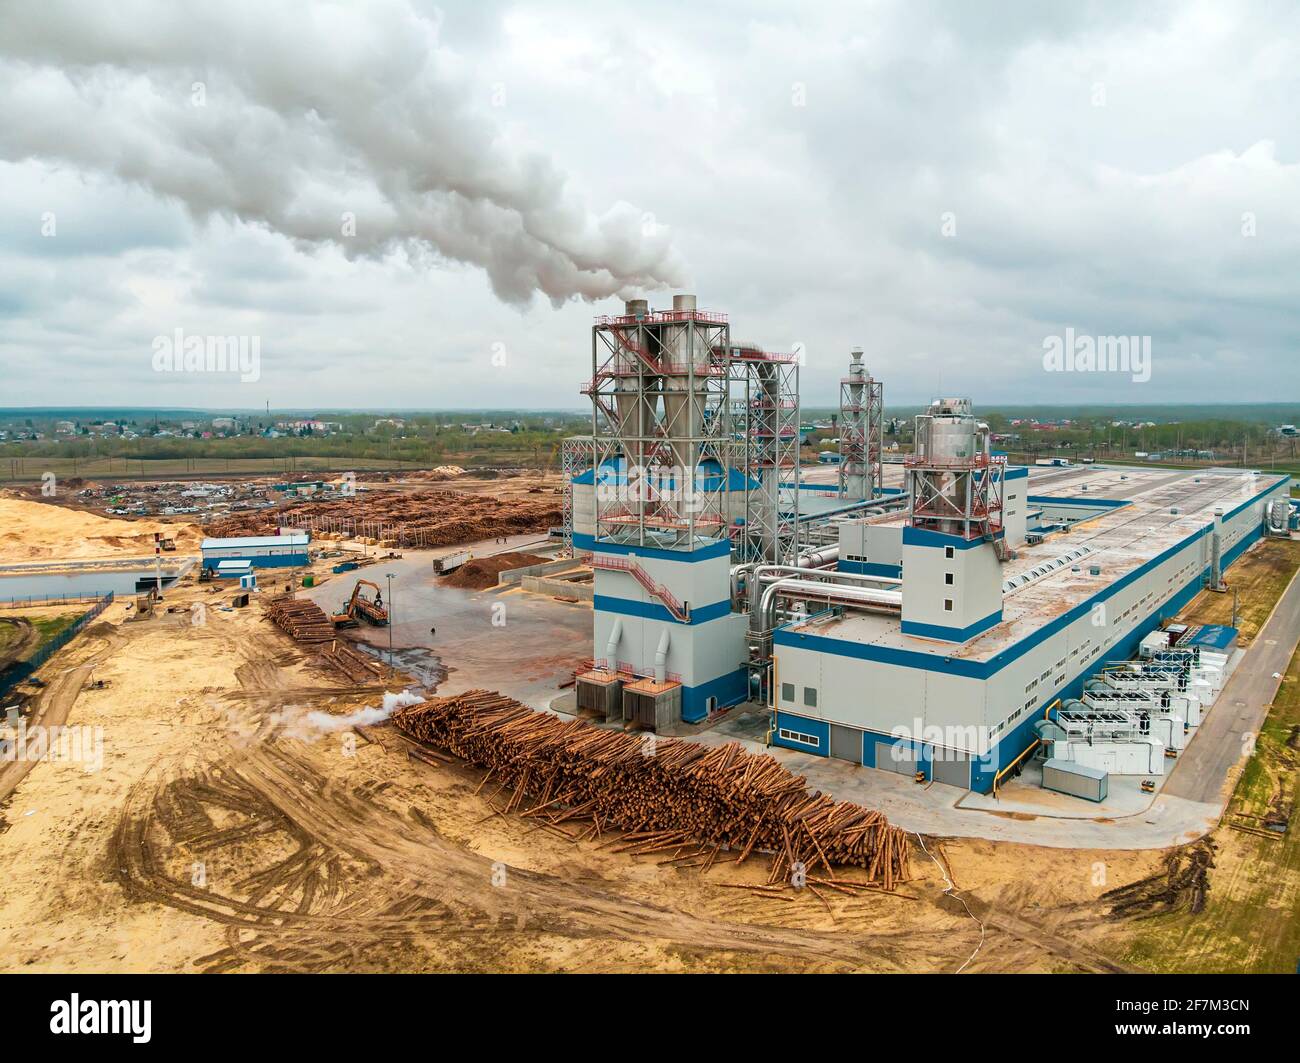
<point x="953" y="769"/>
<point x="899" y="759"/>
<point x="846" y="743"/>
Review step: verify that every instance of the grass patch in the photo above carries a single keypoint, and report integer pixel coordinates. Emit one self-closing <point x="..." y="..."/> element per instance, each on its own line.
<point x="51" y="627"/>
<point x="1259" y="578"/>
<point x="11" y="635"/>
<point x="1249" y="921"/>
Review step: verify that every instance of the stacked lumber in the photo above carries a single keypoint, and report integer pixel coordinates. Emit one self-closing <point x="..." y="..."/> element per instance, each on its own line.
<point x="354" y="664"/>
<point x="304" y="620"/>
<point x="664" y="793"/>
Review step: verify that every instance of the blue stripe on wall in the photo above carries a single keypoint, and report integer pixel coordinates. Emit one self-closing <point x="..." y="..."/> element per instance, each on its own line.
<point x="925" y="537"/>
<point x="819" y="728"/>
<point x="950" y="634"/>
<point x="714" y="548"/>
<point x="606" y="603"/>
<point x="260" y="560"/>
<point x="869" y="568"/>
<point x="729" y="689"/>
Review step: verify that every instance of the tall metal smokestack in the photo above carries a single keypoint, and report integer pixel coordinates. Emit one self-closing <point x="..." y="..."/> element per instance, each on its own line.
<point x="685" y="359"/>
<point x="861" y="432"/>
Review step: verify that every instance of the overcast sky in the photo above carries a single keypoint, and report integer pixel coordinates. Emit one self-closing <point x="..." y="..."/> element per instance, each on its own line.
<point x="423" y="205"/>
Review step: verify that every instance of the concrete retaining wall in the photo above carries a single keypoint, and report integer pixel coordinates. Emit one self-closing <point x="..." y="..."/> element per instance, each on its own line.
<point x="563" y="588"/>
<point x="515" y="575"/>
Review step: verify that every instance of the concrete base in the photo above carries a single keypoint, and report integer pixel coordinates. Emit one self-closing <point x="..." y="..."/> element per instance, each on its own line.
<point x="652" y="705"/>
<point x="600" y="694"/>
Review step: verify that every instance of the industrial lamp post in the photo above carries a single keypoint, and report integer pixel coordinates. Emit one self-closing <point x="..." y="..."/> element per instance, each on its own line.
<point x="389" y="577"/>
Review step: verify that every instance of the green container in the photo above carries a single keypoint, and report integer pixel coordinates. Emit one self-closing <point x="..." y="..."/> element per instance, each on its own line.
<point x="309" y="581"/>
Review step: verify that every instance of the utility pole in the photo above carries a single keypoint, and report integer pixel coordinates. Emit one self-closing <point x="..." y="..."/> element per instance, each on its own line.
<point x="389" y="577"/>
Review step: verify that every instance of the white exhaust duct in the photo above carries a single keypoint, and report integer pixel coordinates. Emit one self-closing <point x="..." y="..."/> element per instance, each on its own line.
<point x="661" y="659"/>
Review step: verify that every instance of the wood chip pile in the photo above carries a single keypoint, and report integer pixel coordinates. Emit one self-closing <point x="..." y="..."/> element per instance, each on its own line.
<point x="304" y="620"/>
<point x="665" y="793"/>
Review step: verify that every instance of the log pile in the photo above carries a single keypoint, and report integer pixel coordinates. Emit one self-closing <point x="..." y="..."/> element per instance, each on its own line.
<point x="304" y="620"/>
<point x="665" y="794"/>
<point x="354" y="664"/>
<point x="403" y="519"/>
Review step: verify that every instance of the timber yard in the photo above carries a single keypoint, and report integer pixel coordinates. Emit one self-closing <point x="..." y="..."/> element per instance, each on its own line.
<point x="686" y="701"/>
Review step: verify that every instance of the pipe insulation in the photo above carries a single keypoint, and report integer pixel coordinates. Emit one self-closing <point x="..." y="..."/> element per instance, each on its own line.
<point x="858" y="597"/>
<point x="611" y="647"/>
<point x="661" y="658"/>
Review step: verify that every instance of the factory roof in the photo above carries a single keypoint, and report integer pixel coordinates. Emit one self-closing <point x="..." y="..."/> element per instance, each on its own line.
<point x="250" y="542"/>
<point x="1048" y="580"/>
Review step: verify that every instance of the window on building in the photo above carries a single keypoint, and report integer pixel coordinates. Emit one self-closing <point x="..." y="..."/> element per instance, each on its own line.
<point x="797" y="736"/>
<point x="947" y="605"/>
<point x="947" y="578"/>
<point x="810" y="697"/>
<point x="787" y="692"/>
<point x="948" y="552"/>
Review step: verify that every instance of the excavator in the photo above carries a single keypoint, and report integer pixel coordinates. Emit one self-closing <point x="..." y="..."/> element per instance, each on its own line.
<point x="358" y="607"/>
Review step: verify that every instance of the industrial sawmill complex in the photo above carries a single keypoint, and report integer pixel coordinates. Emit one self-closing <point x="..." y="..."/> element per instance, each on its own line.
<point x="947" y="616"/>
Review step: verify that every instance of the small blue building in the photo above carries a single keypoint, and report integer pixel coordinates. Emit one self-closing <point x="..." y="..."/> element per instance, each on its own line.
<point x="260" y="551"/>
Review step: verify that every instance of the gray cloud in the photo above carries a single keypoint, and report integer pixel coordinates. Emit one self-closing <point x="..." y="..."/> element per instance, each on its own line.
<point x="812" y="216"/>
<point x="301" y="117"/>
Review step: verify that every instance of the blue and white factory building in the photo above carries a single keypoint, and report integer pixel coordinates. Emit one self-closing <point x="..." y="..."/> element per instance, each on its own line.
<point x="920" y="626"/>
<point x="259" y="551"/>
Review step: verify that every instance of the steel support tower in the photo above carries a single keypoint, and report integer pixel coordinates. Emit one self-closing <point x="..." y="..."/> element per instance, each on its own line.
<point x="692" y="437"/>
<point x="659" y="424"/>
<point x="765" y="402"/>
<point x="861" y="427"/>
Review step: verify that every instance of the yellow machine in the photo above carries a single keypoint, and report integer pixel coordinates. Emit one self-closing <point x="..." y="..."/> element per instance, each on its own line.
<point x="358" y="607"/>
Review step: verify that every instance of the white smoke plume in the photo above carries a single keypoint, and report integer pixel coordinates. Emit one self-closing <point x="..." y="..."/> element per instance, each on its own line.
<point x="293" y="114"/>
<point x="314" y="723"/>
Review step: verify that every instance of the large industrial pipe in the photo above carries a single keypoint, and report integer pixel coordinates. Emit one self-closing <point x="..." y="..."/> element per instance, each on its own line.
<point x="661" y="658"/>
<point x="883" y="503"/>
<point x="861" y="597"/>
<point x="812" y="559"/>
<point x="762" y="572"/>
<point x="611" y="647"/>
<point x="823" y="555"/>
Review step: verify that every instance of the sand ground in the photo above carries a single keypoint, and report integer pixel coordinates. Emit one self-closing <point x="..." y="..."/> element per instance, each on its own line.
<point x="35" y="531"/>
<point x="239" y="822"/>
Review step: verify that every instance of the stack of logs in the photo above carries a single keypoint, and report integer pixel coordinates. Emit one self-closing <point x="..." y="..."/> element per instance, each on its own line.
<point x="354" y="664"/>
<point x="664" y="793"/>
<point x="304" y="620"/>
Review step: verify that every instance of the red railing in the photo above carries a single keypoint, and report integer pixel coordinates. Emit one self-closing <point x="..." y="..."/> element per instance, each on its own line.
<point x="614" y="564"/>
<point x="663" y="317"/>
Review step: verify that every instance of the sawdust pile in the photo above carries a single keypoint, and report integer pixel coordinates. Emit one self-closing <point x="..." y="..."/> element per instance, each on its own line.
<point x="482" y="572"/>
<point x="32" y="531"/>
<point x="414" y="519"/>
